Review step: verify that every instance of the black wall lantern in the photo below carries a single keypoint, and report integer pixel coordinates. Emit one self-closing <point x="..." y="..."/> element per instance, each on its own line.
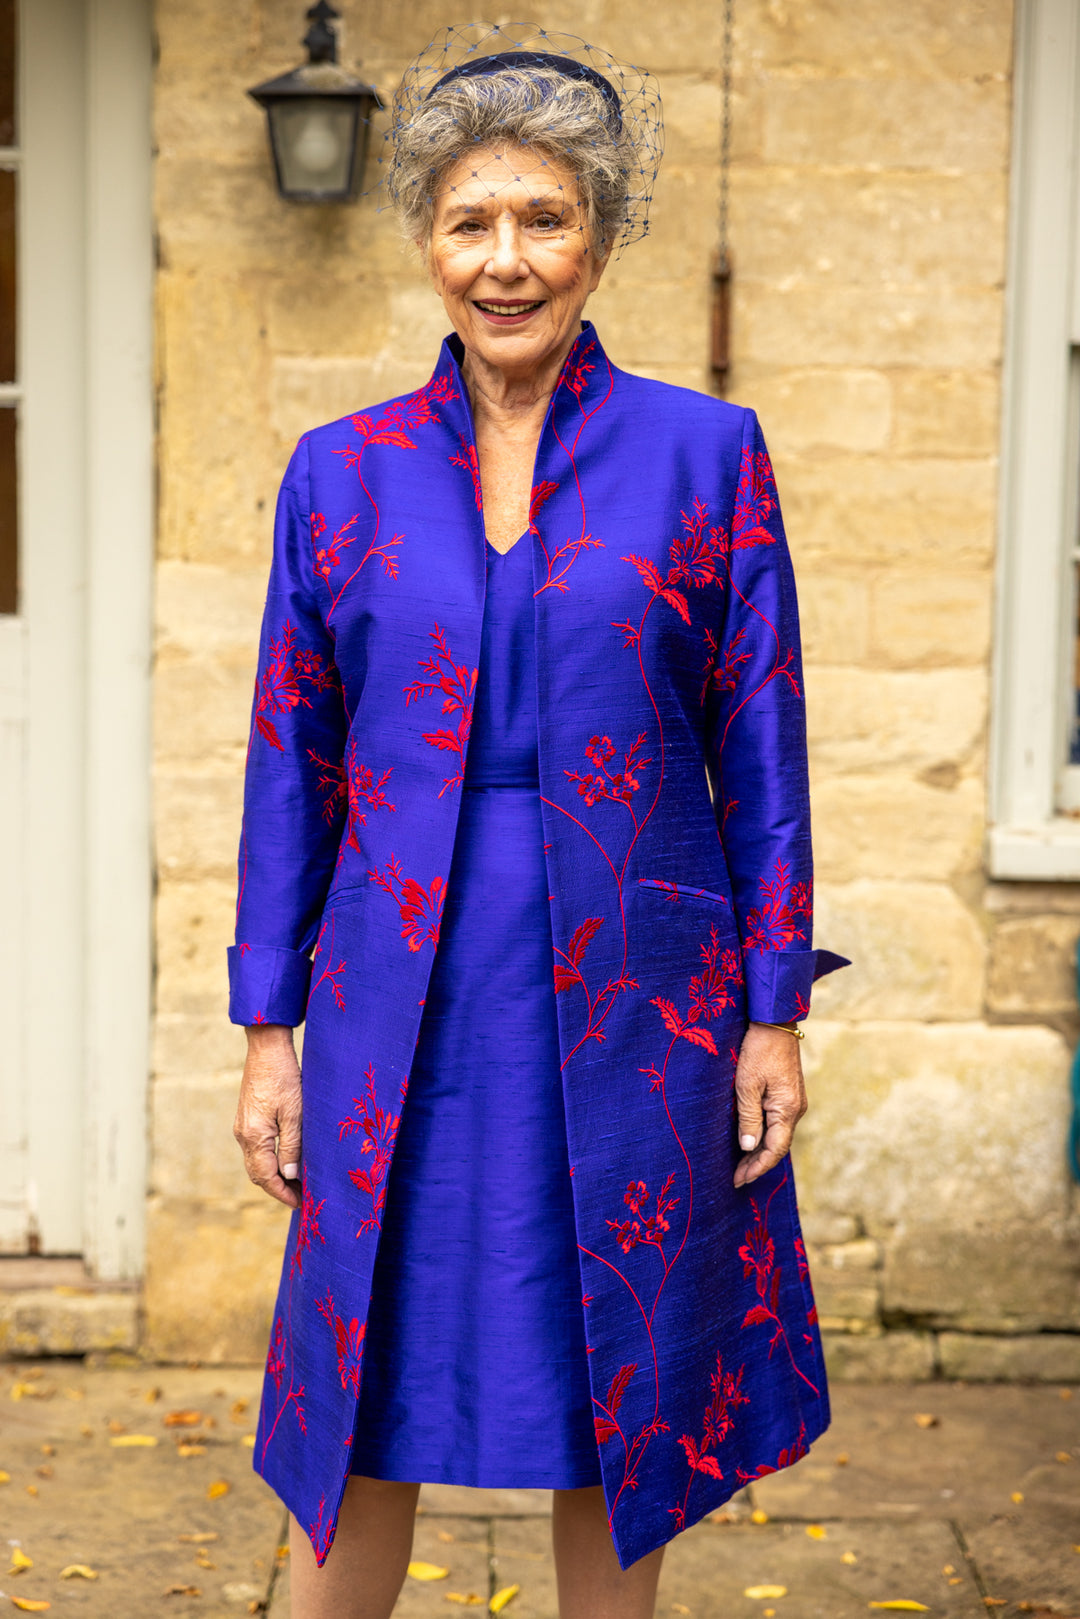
<point x="319" y="119"/>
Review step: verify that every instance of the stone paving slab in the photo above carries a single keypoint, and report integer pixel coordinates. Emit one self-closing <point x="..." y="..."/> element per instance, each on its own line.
<point x="910" y="1504"/>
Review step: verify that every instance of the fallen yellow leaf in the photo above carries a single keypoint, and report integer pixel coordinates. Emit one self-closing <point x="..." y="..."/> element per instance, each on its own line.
<point x="843" y="1459"/>
<point x="817" y="1531"/>
<point x="501" y="1598"/>
<point x="248" y="1440"/>
<point x="770" y="1613"/>
<point x="445" y="1536"/>
<point x="81" y="1570"/>
<point x="182" y="1419"/>
<point x="5" y="1478"/>
<point x="904" y="1604"/>
<point x="849" y="1558"/>
<point x="219" y="1488"/>
<point x="19" y="1560"/>
<point x="191" y="1450"/>
<point x="757" y="1516"/>
<point x="130" y="1441"/>
<point x="427" y="1571"/>
<point x="28" y="1605"/>
<point x="182" y="1591"/>
<point x="467" y="1600"/>
<point x="680" y="1607"/>
<point x="948" y="1569"/>
<point x="197" y="1540"/>
<point x="924" y="1419"/>
<point x="1063" y="1456"/>
<point x="236" y="1413"/>
<point x="760" y="1593"/>
<point x="31" y="1489"/>
<point x="48" y="1450"/>
<point x="1016" y="1497"/>
<point x="956" y="1579"/>
<point x="152" y="1395"/>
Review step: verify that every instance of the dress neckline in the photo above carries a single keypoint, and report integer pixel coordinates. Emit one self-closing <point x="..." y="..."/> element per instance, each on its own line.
<point x="496" y="552"/>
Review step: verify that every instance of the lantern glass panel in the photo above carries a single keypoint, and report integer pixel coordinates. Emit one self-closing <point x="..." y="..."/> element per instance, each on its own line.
<point x="314" y="140"/>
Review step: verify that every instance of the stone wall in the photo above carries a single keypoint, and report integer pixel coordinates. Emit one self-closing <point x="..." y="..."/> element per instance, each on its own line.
<point x="868" y="228"/>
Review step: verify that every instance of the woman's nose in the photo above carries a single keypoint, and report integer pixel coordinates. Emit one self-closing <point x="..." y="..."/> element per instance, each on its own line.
<point x="507" y="261"/>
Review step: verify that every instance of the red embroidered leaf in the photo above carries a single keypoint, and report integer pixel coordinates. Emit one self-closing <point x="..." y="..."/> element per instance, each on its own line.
<point x="401" y="441"/>
<point x="565" y="978"/>
<point x="267" y="729"/>
<point x="618" y="1386"/>
<point x="605" y="1429"/>
<point x="582" y="937"/>
<point x="774" y="1291"/>
<point x="650" y="573"/>
<point x="540" y="496"/>
<point x="448" y="741"/>
<point x="676" y="599"/>
<point x="745" y="537"/>
<point x="708" y="1464"/>
<point x="668" y="1012"/>
<point x="699" y="1037"/>
<point x="756" y="1315"/>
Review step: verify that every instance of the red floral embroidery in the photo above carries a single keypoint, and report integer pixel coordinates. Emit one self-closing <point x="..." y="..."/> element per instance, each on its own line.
<point x="468" y="461"/>
<point x="288" y="669"/>
<point x="308" y="1227"/>
<point x="717" y="1423"/>
<point x="330" y="974"/>
<point x="458" y="686"/>
<point x="568" y="973"/>
<point x="348" y="1340"/>
<point x="420" y="908"/>
<point x="755" y="501"/>
<point x="787" y="1458"/>
<point x="758" y="1254"/>
<point x="278" y="1360"/>
<point x="772" y="925"/>
<point x="694" y="557"/>
<point x="557" y="564"/>
<point x="321" y="1532"/>
<point x="600" y="782"/>
<point x="606" y="1424"/>
<point x="710" y="991"/>
<point x="349" y="785"/>
<point x="379" y="1128"/>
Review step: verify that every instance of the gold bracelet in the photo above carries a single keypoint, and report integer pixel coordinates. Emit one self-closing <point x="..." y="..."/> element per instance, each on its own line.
<point x="800" y="1034"/>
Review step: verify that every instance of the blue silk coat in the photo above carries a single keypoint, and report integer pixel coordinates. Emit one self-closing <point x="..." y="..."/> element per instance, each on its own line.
<point x="677" y="837"/>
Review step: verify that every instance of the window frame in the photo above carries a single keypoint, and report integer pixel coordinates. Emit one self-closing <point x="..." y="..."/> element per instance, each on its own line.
<point x="1029" y="838"/>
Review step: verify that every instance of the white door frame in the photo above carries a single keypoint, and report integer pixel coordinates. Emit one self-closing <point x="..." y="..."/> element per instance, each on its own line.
<point x="88" y="529"/>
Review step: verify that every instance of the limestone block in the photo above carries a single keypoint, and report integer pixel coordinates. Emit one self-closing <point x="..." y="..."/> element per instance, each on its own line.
<point x="884" y="1357"/>
<point x="794" y="322"/>
<point x="351" y="312"/>
<point x="919" y="42"/>
<point x="861" y="1254"/>
<point x="61" y="1321"/>
<point x="847" y="1304"/>
<point x="203" y="609"/>
<point x="185" y="1043"/>
<point x="866" y="721"/>
<point x="202" y="707"/>
<point x="890" y="231"/>
<point x="215" y="461"/>
<point x="950" y="413"/>
<point x="1045" y="1357"/>
<point x="1032" y="966"/>
<point x="834" y="609"/>
<point x="307" y="393"/>
<point x="211" y="1278"/>
<point x="194" y="925"/>
<point x="888" y="123"/>
<point x="917" y="952"/>
<point x="193" y="1153"/>
<point x="872" y="512"/>
<point x="931" y="622"/>
<point x="692" y="118"/>
<point x="822" y="1226"/>
<point x="197" y="824"/>
<point x="864" y="825"/>
<point x="823" y="407"/>
<point x="934" y="1128"/>
<point x="987" y="1277"/>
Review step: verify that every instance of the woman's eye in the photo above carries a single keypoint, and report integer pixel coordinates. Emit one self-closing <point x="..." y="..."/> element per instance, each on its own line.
<point x="547" y="222"/>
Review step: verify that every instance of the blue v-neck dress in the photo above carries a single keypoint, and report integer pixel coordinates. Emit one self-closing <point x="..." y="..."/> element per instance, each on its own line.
<point x="475" y="1357"/>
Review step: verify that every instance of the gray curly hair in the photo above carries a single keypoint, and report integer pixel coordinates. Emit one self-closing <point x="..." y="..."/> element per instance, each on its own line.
<point x="568" y="121"/>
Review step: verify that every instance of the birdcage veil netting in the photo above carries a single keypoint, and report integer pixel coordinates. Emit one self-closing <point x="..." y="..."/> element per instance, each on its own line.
<point x="584" y="113"/>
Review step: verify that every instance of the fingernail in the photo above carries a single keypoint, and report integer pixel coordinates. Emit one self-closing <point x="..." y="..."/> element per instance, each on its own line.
<point x="748" y="1143"/>
<point x="291" y="1172"/>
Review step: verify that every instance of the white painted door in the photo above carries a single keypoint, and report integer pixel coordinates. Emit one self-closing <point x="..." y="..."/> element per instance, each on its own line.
<point x="76" y="549"/>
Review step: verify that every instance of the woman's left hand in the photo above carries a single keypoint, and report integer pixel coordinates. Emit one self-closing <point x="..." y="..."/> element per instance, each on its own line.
<point x="771" y="1099"/>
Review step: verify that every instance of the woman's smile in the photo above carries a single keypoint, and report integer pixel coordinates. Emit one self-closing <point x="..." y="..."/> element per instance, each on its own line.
<point x="500" y="312"/>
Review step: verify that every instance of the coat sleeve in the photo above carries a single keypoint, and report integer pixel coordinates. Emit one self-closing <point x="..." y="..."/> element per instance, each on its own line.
<point x="294" y="787"/>
<point x="757" y="750"/>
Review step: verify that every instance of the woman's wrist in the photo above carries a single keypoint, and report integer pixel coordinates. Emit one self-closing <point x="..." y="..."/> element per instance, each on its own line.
<point x="269" y="1034"/>
<point x="791" y="1027"/>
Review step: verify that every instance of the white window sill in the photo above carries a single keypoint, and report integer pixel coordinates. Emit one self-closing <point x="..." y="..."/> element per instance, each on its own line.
<point x="1046" y="853"/>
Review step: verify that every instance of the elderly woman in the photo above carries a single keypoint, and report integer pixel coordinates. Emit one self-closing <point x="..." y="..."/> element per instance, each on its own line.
<point x="526" y="840"/>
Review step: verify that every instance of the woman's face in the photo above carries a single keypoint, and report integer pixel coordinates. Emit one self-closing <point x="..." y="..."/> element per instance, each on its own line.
<point x="510" y="257"/>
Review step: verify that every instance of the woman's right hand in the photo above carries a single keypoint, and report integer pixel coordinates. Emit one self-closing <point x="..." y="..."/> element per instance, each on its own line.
<point x="268" y="1114"/>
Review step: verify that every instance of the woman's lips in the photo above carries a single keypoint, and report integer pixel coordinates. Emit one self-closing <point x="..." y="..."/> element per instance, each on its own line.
<point x="507" y="314"/>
